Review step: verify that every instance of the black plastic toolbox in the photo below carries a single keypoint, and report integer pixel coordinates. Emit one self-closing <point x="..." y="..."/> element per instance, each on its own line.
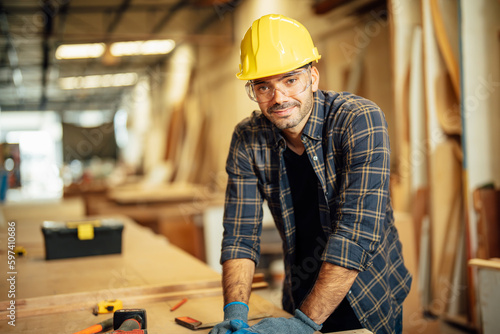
<point x="82" y="238"/>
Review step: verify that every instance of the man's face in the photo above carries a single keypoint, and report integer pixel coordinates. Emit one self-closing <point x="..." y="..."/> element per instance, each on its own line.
<point x="289" y="112"/>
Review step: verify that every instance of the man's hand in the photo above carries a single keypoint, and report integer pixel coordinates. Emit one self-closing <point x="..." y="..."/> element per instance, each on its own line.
<point x="235" y="317"/>
<point x="299" y="324"/>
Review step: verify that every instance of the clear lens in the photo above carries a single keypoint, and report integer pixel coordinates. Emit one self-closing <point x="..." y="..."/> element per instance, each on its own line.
<point x="290" y="84"/>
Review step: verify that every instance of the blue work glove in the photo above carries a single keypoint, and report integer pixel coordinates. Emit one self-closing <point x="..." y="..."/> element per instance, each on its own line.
<point x="299" y="324"/>
<point x="235" y="317"/>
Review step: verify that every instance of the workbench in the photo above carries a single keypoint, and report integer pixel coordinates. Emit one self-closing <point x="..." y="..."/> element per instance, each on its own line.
<point x="57" y="296"/>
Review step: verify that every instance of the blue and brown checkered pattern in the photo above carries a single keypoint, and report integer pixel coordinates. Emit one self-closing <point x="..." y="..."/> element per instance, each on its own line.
<point x="347" y="143"/>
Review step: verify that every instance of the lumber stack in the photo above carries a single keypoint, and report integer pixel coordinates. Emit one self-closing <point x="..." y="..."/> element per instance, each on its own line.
<point x="430" y="174"/>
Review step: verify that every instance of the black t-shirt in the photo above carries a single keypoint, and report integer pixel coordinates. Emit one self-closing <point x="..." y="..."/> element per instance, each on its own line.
<point x="310" y="239"/>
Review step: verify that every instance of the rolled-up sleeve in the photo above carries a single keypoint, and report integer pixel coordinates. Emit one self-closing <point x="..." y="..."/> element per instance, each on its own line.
<point x="360" y="204"/>
<point x="243" y="204"/>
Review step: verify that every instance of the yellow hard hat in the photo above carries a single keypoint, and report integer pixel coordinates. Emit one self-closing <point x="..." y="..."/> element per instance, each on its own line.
<point x="275" y="44"/>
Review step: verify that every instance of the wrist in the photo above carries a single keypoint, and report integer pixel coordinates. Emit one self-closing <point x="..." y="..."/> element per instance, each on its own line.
<point x="306" y="320"/>
<point x="236" y="310"/>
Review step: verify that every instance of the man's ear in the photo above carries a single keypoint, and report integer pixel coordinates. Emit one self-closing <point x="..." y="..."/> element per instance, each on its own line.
<point x="314" y="78"/>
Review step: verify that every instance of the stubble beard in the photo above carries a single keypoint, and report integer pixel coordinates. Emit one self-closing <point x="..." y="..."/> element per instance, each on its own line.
<point x="292" y="120"/>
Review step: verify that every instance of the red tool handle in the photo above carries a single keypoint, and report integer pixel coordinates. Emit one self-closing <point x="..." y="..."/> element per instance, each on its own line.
<point x="100" y="327"/>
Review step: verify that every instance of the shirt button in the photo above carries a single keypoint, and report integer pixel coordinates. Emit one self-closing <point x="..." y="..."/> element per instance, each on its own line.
<point x="315" y="158"/>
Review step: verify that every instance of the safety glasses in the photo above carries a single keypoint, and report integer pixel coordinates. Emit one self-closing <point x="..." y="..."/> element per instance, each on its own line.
<point x="289" y="84"/>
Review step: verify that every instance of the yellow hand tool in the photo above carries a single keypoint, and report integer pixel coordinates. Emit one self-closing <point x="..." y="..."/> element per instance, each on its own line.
<point x="108" y="306"/>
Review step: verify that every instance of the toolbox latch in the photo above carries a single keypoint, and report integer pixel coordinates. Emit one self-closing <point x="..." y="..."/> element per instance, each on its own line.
<point x="85" y="230"/>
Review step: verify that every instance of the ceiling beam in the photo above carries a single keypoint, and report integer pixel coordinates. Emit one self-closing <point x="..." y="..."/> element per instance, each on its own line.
<point x="118" y="16"/>
<point x="169" y="15"/>
<point x="212" y="2"/>
<point x="75" y="9"/>
<point x="48" y="12"/>
<point x="63" y="14"/>
<point x="17" y="77"/>
<point x="196" y="38"/>
<point x="357" y="7"/>
<point x="95" y="101"/>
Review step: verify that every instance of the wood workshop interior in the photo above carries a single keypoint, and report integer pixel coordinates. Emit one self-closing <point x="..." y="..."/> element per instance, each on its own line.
<point x="123" y="111"/>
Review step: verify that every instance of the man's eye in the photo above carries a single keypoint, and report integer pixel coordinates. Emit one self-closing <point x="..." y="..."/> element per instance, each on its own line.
<point x="262" y="88"/>
<point x="291" y="81"/>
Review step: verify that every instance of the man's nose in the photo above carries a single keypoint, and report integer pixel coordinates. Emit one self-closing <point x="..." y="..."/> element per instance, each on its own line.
<point x="279" y="96"/>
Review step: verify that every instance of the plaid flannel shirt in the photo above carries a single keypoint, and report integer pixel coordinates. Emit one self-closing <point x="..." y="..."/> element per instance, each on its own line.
<point x="347" y="143"/>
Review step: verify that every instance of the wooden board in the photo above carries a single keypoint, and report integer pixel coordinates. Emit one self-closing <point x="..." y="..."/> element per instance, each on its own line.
<point x="187" y="160"/>
<point x="58" y="295"/>
<point x="493" y="263"/>
<point x="404" y="17"/>
<point x="141" y="193"/>
<point x="446" y="221"/>
<point x="159" y="318"/>
<point x="146" y="259"/>
<point x="132" y="297"/>
<point x="416" y="110"/>
<point x="445" y="19"/>
<point x="445" y="166"/>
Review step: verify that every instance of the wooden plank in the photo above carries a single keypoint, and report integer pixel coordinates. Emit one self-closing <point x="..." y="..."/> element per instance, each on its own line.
<point x="186" y="161"/>
<point x="424" y="267"/>
<point x="139" y="193"/>
<point x="443" y="39"/>
<point x="207" y="309"/>
<point x="446" y="220"/>
<point x="493" y="263"/>
<point x="135" y="276"/>
<point x="404" y="16"/>
<point x="445" y="166"/>
<point x="150" y="273"/>
<point x="146" y="259"/>
<point x="417" y="130"/>
<point x="419" y="212"/>
<point x="69" y="208"/>
<point x="447" y="104"/>
<point x="175" y="133"/>
<point x="418" y="146"/>
<point x="75" y="301"/>
<point x="131" y="297"/>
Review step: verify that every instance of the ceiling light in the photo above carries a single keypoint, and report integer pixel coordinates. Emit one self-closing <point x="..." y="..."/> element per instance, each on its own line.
<point x="75" y="51"/>
<point x="152" y="47"/>
<point x="99" y="81"/>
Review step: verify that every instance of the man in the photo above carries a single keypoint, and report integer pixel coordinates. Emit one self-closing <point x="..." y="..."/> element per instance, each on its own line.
<point x="321" y="161"/>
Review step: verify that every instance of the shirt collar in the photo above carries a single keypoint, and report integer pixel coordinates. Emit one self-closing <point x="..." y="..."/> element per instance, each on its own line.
<point x="314" y="126"/>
